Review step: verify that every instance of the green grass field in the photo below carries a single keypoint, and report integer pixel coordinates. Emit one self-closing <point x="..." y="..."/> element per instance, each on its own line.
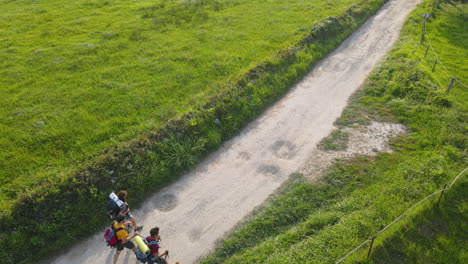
<point x="80" y="76"/>
<point x="321" y="222"/>
<point x="106" y="95"/>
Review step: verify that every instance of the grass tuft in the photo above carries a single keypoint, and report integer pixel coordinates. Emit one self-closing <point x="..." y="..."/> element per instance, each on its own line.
<point x="337" y="140"/>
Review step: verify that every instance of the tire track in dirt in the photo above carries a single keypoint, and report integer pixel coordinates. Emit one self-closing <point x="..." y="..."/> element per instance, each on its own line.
<point x="208" y="202"/>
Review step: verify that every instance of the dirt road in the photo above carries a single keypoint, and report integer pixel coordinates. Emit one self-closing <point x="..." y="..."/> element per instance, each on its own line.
<point x="197" y="210"/>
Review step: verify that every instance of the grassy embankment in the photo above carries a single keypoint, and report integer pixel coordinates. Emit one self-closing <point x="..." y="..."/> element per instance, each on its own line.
<point x="321" y="222"/>
<point x="102" y="95"/>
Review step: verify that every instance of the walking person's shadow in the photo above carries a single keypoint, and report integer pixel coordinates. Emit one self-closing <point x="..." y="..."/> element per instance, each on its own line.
<point x="126" y="260"/>
<point x="109" y="257"/>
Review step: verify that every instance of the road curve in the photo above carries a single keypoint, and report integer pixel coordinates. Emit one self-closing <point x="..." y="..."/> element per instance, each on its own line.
<point x="208" y="202"/>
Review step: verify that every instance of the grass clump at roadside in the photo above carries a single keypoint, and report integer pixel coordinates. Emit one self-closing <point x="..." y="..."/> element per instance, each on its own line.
<point x="148" y="155"/>
<point x="357" y="198"/>
<point x="337" y="140"/>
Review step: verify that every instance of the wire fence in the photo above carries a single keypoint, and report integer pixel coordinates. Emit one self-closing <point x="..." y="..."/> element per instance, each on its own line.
<point x="371" y="239"/>
<point x="424" y="38"/>
<point x="450" y="74"/>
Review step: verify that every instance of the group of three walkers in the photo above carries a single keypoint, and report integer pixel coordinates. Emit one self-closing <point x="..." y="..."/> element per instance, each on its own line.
<point x="122" y="220"/>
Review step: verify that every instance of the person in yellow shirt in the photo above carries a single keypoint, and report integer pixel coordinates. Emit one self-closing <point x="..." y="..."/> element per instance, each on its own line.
<point x="122" y="235"/>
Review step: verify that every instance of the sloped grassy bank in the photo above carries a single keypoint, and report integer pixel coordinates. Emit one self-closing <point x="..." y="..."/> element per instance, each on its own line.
<point x="436" y="235"/>
<point x="321" y="222"/>
<point x="60" y="213"/>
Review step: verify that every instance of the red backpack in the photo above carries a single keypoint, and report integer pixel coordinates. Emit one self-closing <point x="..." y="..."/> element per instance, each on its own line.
<point x="110" y="236"/>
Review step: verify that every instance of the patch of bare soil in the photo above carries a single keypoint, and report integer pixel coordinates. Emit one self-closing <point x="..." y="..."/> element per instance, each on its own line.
<point x="363" y="140"/>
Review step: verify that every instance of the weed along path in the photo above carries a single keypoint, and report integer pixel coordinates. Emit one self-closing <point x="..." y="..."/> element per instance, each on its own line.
<point x="209" y="201"/>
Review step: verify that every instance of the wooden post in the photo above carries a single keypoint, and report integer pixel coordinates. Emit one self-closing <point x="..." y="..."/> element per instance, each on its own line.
<point x="423" y="29"/>
<point x="442" y="193"/>
<point x="427" y="50"/>
<point x="451" y="84"/>
<point x="435" y="63"/>
<point x="370" y="247"/>
<point x="435" y="5"/>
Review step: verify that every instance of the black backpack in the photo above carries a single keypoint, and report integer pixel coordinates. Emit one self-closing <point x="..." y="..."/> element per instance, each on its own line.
<point x="112" y="209"/>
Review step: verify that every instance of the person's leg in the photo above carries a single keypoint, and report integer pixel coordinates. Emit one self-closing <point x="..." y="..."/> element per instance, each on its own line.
<point x="130" y="245"/>
<point x="161" y="261"/>
<point x="133" y="220"/>
<point x="134" y="223"/>
<point x="116" y="256"/>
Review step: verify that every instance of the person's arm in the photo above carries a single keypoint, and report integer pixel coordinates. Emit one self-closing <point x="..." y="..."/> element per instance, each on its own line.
<point x="124" y="209"/>
<point x="162" y="254"/>
<point x="130" y="237"/>
<point x="123" y="212"/>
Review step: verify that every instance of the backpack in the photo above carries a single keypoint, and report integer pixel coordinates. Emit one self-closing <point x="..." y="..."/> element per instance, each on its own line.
<point x="113" y="209"/>
<point x="143" y="257"/>
<point x="110" y="236"/>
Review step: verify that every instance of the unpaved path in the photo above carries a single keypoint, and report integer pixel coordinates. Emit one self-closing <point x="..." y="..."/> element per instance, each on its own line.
<point x="197" y="210"/>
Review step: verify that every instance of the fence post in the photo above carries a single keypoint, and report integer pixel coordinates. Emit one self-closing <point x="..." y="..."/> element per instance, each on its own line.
<point x="442" y="193"/>
<point x="370" y="247"/>
<point x="435" y="5"/>
<point x="433" y="67"/>
<point x="428" y="46"/>
<point x="423" y="29"/>
<point x="451" y="84"/>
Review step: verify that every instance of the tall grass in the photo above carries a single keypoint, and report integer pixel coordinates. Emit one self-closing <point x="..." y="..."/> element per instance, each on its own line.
<point x="321" y="222"/>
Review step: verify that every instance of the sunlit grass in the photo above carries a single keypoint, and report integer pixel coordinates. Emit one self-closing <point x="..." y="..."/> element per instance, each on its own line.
<point x="80" y="76"/>
<point x="130" y="95"/>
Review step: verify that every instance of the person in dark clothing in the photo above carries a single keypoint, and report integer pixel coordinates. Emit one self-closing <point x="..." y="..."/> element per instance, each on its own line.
<point x="125" y="210"/>
<point x="153" y="244"/>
